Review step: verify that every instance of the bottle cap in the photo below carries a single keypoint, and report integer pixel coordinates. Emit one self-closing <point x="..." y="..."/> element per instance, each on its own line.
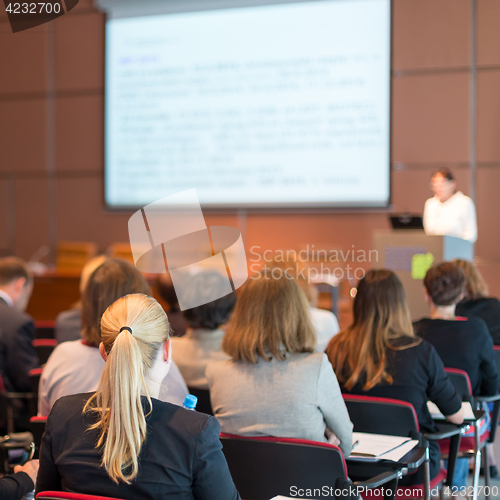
<point x="190" y="401"/>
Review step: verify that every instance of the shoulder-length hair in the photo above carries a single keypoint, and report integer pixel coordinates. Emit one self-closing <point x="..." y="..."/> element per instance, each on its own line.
<point x="380" y="316"/>
<point x="271" y="317"/>
<point x="475" y="286"/>
<point x="113" y="279"/>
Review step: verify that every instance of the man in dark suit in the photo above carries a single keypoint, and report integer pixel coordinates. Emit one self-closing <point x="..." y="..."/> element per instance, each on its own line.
<point x="17" y="330"/>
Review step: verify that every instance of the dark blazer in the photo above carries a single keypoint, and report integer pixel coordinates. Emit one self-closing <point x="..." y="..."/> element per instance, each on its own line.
<point x="15" y="486"/>
<point x="17" y="355"/>
<point x="181" y="458"/>
<point x="464" y="344"/>
<point x="486" y="308"/>
<point x="418" y="376"/>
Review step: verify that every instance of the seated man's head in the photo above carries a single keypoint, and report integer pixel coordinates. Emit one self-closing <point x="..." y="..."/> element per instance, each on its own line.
<point x="16" y="281"/>
<point x="113" y="279"/>
<point x="199" y="288"/>
<point x="444" y="284"/>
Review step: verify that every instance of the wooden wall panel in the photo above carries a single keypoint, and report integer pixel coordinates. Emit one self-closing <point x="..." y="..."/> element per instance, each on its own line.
<point x="405" y="200"/>
<point x="488" y="116"/>
<point x="24" y="54"/>
<point x="5" y="215"/>
<point x="31" y="216"/>
<point x="431" y="118"/>
<point x="324" y="231"/>
<point x="80" y="51"/>
<point x="81" y="215"/>
<point x="80" y="147"/>
<point x="488" y="32"/>
<point x="488" y="213"/>
<point x="23" y="135"/>
<point x="429" y="34"/>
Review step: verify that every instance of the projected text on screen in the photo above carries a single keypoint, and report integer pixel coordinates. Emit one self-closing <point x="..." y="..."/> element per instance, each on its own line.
<point x="278" y="105"/>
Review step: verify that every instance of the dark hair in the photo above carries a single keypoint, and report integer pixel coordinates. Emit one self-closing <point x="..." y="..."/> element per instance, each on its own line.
<point x="212" y="314"/>
<point x="445" y="173"/>
<point x="13" y="268"/>
<point x="112" y="280"/>
<point x="445" y="283"/>
<point x="166" y="290"/>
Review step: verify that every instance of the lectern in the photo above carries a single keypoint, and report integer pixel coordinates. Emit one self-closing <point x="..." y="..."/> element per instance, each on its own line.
<point x="409" y="253"/>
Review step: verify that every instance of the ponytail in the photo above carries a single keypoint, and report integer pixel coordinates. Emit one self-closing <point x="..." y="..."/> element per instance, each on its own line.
<point x="131" y="352"/>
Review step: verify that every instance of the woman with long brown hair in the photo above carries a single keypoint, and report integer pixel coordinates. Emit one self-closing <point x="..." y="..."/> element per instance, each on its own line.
<point x="379" y="355"/>
<point x="122" y="441"/>
<point x="274" y="384"/>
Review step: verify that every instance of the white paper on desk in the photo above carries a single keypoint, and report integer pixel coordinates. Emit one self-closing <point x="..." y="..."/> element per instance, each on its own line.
<point x="373" y="446"/>
<point x="437" y="415"/>
<point x="399" y="452"/>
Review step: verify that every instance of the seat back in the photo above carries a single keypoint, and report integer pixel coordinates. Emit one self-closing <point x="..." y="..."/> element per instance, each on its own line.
<point x="64" y="495"/>
<point x="44" y="348"/>
<point x="35" y="374"/>
<point x="37" y="427"/>
<point x="204" y="405"/>
<point x="496" y="349"/>
<point x="264" y="467"/>
<point x="382" y="415"/>
<point x="461" y="381"/>
<point x="45" y="329"/>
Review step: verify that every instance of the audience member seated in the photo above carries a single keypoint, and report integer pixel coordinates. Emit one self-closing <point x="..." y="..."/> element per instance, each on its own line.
<point x="17" y="331"/>
<point x="203" y="338"/>
<point x="166" y="290"/>
<point x="472" y="344"/>
<point x="324" y="322"/>
<point x="69" y="323"/>
<point x="18" y="356"/>
<point x="76" y="366"/>
<point x="379" y="355"/>
<point x="16" y="486"/>
<point x="476" y="302"/>
<point x="275" y="385"/>
<point x="122" y="441"/>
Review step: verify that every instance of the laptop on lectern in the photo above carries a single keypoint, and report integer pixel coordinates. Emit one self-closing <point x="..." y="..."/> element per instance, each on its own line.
<point x="406" y="221"/>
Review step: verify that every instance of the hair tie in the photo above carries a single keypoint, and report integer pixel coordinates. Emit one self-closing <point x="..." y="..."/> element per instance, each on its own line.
<point x="125" y="328"/>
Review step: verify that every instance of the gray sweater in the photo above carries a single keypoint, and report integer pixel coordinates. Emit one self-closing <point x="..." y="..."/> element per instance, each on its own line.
<point x="296" y="398"/>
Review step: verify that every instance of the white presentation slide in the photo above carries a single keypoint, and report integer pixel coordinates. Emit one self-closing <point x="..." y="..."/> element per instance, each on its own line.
<point x="284" y="105"/>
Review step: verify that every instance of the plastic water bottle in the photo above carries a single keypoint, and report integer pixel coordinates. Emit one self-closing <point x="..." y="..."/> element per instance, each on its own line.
<point x="190" y="402"/>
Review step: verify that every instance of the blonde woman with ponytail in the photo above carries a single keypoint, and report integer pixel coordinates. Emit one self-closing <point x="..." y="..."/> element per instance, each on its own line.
<point x="122" y="441"/>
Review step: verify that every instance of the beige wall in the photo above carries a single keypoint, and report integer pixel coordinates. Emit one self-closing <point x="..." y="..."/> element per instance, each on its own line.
<point x="51" y="132"/>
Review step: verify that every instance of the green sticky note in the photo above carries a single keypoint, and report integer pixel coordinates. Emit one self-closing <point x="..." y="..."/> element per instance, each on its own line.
<point x="420" y="263"/>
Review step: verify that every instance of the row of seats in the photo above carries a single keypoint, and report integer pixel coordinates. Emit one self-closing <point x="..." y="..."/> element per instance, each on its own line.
<point x="280" y="462"/>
